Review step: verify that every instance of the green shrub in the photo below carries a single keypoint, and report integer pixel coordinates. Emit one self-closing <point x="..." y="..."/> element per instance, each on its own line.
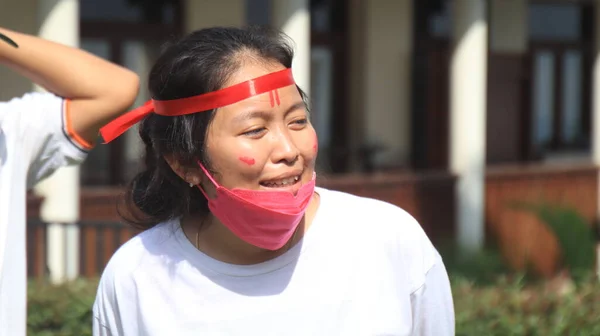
<point x="509" y="305"/>
<point x="60" y="310"/>
<point x="481" y="267"/>
<point x="513" y="307"/>
<point x="575" y="237"/>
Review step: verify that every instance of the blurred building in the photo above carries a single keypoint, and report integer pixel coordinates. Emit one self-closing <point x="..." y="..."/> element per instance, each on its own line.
<point x="448" y="108"/>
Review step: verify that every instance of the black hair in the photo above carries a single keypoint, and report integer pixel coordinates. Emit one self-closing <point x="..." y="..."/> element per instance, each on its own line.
<point x="199" y="63"/>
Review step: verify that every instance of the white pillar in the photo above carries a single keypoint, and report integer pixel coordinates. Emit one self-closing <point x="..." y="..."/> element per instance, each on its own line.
<point x="293" y="18"/>
<point x="468" y="118"/>
<point x="596" y="115"/>
<point x="59" y="22"/>
<point x="596" y="92"/>
<point x="137" y="57"/>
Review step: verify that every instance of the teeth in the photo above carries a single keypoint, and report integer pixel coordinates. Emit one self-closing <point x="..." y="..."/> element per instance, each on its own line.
<point x="283" y="182"/>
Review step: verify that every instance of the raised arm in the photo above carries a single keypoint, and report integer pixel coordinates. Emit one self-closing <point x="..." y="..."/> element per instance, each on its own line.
<point x="98" y="90"/>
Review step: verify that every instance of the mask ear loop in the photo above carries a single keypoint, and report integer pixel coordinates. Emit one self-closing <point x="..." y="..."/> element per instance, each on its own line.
<point x="212" y="180"/>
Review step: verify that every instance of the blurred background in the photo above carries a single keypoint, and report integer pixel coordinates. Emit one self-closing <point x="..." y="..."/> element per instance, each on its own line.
<point x="477" y="116"/>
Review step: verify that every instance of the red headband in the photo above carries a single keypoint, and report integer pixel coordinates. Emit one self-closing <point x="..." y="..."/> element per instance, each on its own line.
<point x="200" y="103"/>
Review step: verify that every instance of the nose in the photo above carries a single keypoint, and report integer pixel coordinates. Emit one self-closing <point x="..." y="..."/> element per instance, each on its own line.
<point x="285" y="150"/>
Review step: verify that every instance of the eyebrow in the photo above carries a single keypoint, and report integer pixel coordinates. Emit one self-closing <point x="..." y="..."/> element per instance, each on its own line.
<point x="266" y="115"/>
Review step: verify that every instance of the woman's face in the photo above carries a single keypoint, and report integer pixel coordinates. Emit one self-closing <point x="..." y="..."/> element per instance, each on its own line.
<point x="262" y="143"/>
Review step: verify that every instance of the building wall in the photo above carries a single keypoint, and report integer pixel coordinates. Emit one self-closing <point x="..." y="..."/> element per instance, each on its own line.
<point x="203" y="14"/>
<point x="508" y="31"/>
<point x="506" y="86"/>
<point x="19" y="16"/>
<point x="388" y="52"/>
<point x="357" y="54"/>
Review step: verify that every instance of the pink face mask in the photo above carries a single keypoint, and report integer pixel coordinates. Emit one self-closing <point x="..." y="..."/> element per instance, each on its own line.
<point x="266" y="219"/>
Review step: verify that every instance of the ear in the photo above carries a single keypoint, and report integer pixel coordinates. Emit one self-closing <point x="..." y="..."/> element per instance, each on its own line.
<point x="189" y="175"/>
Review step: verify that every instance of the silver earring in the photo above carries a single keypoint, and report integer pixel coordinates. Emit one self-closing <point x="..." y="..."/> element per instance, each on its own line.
<point x="191" y="185"/>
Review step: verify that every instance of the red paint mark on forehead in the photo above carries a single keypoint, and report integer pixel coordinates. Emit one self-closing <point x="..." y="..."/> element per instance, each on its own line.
<point x="247" y="160"/>
<point x="277" y="97"/>
<point x="271" y="98"/>
<point x="274" y="98"/>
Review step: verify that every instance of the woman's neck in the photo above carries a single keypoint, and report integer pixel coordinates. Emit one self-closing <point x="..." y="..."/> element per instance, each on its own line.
<point x="214" y="239"/>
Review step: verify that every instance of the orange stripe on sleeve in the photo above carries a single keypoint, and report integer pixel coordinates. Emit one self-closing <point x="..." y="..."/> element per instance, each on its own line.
<point x="69" y="128"/>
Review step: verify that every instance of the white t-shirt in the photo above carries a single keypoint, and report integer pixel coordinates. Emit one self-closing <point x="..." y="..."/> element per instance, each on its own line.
<point x="34" y="142"/>
<point x="364" y="267"/>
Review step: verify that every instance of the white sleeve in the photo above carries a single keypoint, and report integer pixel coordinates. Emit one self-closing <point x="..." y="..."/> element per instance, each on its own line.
<point x="432" y="305"/>
<point x="40" y="125"/>
<point x="105" y="308"/>
<point x="115" y="302"/>
<point x="99" y="329"/>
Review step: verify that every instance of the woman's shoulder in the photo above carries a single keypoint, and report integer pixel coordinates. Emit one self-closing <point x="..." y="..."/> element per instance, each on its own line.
<point x="362" y="211"/>
<point x="377" y="225"/>
<point x="146" y="249"/>
<point x="117" y="294"/>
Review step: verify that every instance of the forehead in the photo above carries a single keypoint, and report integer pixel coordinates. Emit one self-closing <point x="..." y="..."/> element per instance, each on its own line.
<point x="266" y="103"/>
<point x="252" y="70"/>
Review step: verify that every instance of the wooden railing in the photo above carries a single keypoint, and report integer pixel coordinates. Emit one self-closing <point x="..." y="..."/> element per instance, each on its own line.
<point x="429" y="197"/>
<point x="101" y="231"/>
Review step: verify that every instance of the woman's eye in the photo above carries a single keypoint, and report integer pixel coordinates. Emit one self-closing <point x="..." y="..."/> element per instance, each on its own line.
<point x="254" y="132"/>
<point x="301" y="122"/>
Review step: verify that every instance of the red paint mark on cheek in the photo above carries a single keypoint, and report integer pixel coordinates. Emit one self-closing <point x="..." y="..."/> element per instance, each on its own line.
<point x="316" y="145"/>
<point x="247" y="160"/>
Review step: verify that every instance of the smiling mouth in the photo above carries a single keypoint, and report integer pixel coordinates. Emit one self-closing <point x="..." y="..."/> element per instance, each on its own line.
<point x="282" y="183"/>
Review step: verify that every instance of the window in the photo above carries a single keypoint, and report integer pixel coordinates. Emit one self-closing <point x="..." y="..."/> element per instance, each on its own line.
<point x="560" y="64"/>
<point x="440" y="21"/>
<point x="321" y="86"/>
<point x="543" y="20"/>
<point x="329" y="31"/>
<point x="133" y="11"/>
<point x="127" y="32"/>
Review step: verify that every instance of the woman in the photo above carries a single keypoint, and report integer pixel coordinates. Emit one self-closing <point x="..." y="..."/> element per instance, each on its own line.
<point x="237" y="240"/>
<point x="41" y="132"/>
